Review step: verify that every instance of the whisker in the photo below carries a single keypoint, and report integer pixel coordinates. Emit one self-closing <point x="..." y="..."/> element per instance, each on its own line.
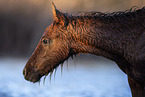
<point x="71" y="57"/>
<point x="76" y="57"/>
<point x="50" y="76"/>
<point x="67" y="64"/>
<point x="44" y="80"/>
<point x="73" y="61"/>
<point x="55" y="72"/>
<point x="39" y="82"/>
<point x="61" y="68"/>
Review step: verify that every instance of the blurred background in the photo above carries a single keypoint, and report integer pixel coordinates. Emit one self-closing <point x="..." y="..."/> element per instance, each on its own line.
<point x="22" y="22"/>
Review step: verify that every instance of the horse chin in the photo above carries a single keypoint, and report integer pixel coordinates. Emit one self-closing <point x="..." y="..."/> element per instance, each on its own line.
<point x="33" y="77"/>
<point x="49" y="73"/>
<point x="36" y="79"/>
<point x="37" y="76"/>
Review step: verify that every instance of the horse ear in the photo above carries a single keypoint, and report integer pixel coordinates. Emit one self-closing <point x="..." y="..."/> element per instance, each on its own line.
<point x="55" y="11"/>
<point x="58" y="16"/>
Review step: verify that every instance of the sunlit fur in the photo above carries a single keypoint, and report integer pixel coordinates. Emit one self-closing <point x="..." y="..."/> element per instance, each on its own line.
<point x="119" y="36"/>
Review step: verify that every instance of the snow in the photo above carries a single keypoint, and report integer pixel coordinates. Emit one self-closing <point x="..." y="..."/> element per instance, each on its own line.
<point x="101" y="80"/>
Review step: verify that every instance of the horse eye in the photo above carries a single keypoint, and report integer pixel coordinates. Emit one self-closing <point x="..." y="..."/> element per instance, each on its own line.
<point x="45" y="41"/>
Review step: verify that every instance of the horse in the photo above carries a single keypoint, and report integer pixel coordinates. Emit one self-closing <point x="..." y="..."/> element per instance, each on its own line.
<point x="118" y="36"/>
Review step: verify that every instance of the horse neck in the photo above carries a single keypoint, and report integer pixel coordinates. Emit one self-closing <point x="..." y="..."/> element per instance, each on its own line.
<point x="112" y="35"/>
<point x="107" y="39"/>
<point x="104" y="37"/>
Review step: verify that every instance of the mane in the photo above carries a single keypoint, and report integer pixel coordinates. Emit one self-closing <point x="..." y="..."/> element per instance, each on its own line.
<point x="120" y="16"/>
<point x="93" y="13"/>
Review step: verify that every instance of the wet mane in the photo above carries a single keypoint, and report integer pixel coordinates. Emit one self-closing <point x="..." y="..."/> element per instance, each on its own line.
<point x="98" y="14"/>
<point x="121" y="16"/>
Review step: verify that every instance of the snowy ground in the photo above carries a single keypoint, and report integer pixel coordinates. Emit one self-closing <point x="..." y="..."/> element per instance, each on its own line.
<point x="102" y="80"/>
